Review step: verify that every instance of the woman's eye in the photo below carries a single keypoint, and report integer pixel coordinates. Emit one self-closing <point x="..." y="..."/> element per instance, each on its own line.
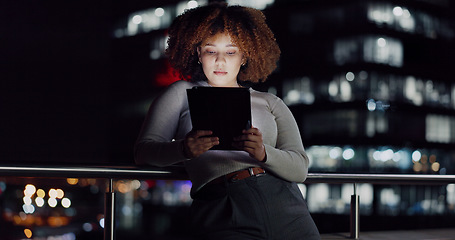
<point x="210" y="52"/>
<point x="231" y="53"/>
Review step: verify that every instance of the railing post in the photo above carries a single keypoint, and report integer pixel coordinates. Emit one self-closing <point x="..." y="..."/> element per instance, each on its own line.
<point x="109" y="212"/>
<point x="355" y="214"/>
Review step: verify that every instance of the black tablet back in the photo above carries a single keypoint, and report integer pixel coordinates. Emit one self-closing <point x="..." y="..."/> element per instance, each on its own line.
<point x="225" y="111"/>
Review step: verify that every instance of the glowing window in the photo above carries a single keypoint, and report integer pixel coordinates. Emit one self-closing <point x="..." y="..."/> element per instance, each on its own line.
<point x="298" y="91"/>
<point x="258" y="4"/>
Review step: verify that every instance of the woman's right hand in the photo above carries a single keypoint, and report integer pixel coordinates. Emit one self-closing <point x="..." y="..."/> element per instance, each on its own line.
<point x="197" y="142"/>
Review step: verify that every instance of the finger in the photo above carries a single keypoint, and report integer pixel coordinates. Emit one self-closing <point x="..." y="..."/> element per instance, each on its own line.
<point x="253" y="130"/>
<point x="208" y="139"/>
<point x="199" y="133"/>
<point x="202" y="133"/>
<point x="196" y="151"/>
<point x="205" y="143"/>
<point x="208" y="145"/>
<point x="249" y="137"/>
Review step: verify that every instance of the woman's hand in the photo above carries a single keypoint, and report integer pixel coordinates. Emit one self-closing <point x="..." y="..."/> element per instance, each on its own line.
<point x="197" y="142"/>
<point x="251" y="142"/>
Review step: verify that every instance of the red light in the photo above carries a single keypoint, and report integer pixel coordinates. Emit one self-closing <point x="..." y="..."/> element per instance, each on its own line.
<point x="167" y="76"/>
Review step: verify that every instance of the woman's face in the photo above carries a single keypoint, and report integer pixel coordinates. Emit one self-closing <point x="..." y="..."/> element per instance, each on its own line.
<point x="221" y="60"/>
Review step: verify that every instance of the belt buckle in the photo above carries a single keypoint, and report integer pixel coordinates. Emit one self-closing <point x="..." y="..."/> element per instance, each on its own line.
<point x="250" y="171"/>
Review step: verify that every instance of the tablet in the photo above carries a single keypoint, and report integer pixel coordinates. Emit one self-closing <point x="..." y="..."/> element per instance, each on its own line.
<point x="225" y="111"/>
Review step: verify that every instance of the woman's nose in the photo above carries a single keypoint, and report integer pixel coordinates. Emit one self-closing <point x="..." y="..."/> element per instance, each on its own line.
<point x="220" y="59"/>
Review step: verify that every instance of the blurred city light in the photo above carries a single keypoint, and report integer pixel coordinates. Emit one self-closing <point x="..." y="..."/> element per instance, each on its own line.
<point x="382" y="42"/>
<point x="397" y="11"/>
<point x="60" y="193"/>
<point x="29" y="190"/>
<point x="28" y="233"/>
<point x="137" y="19"/>
<point x="151" y="19"/>
<point x="41" y="193"/>
<point x="192" y="4"/>
<point x="52" y="202"/>
<point x="28" y="208"/>
<point x="27" y="200"/>
<point x="350" y="76"/>
<point x="369" y="48"/>
<point x="298" y="91"/>
<point x="101" y="222"/>
<point x="335" y="152"/>
<point x="72" y="181"/>
<point x="451" y="194"/>
<point x="258" y="4"/>
<point x="39" y="201"/>
<point x="66" y="202"/>
<point x="159" y="12"/>
<point x="416" y="156"/>
<point x="348" y="154"/>
<point x="371" y="105"/>
<point x="87" y="227"/>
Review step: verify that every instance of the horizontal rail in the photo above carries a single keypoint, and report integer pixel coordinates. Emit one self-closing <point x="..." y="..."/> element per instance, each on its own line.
<point x="93" y="172"/>
<point x="129" y="172"/>
<point x="178" y="173"/>
<point x="380" y="178"/>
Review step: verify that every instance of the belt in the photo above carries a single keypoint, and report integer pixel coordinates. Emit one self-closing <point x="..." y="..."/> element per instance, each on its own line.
<point x="238" y="175"/>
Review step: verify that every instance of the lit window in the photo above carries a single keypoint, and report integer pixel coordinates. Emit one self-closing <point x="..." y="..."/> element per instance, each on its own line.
<point x="297" y="91"/>
<point x="413" y="21"/>
<point x="396" y="17"/>
<point x="184" y="5"/>
<point x="383" y="50"/>
<point x="453" y="96"/>
<point x="438" y="128"/>
<point x="158" y="46"/>
<point x="389" y="197"/>
<point x="451" y="193"/>
<point x="413" y="90"/>
<point x="258" y="4"/>
<point x="151" y="19"/>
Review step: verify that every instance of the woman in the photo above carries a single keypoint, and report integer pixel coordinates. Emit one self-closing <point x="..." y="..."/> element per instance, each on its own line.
<point x="246" y="194"/>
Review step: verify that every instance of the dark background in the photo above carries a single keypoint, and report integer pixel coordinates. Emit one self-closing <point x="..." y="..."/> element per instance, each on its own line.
<point x="69" y="90"/>
<point x="58" y="92"/>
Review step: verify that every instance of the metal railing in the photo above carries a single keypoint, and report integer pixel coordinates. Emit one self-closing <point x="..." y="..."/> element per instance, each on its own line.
<point x="178" y="173"/>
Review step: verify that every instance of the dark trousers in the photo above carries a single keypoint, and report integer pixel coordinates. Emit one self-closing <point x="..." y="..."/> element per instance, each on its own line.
<point x="258" y="207"/>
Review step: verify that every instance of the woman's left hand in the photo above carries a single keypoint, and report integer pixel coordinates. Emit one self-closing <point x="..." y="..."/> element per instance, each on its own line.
<point x="251" y="142"/>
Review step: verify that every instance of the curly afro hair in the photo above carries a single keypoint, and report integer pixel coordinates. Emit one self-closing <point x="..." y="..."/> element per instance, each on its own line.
<point x="247" y="28"/>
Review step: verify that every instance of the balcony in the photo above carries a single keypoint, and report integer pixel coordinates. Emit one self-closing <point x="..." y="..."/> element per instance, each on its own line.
<point x="111" y="174"/>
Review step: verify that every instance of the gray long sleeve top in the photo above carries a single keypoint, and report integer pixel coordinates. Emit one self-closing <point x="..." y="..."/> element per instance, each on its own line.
<point x="168" y="121"/>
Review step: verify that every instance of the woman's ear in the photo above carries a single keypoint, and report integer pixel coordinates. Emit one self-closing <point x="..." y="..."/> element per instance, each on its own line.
<point x="198" y="49"/>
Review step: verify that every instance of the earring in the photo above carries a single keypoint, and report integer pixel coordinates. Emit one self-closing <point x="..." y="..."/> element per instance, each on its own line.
<point x="199" y="62"/>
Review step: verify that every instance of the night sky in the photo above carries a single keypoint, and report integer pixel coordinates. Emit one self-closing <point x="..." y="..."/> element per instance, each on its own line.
<point x="56" y="101"/>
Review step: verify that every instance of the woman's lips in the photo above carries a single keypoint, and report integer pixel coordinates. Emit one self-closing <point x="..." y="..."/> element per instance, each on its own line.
<point x="220" y="73"/>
